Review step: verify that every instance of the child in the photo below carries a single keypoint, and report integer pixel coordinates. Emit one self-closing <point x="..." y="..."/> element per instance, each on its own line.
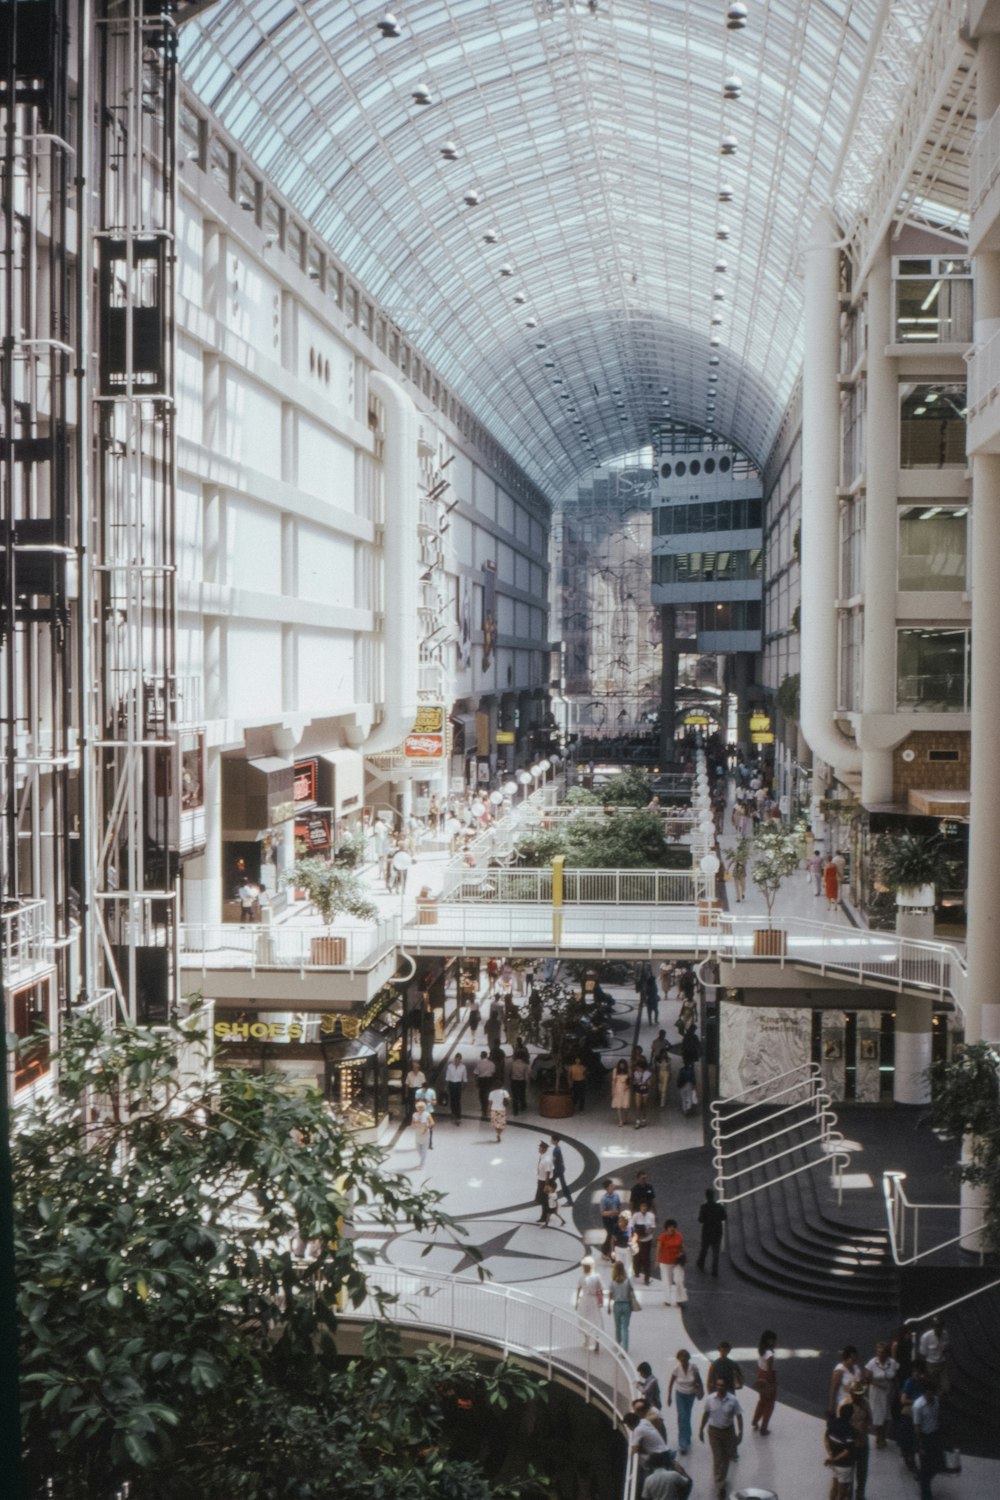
<point x="552" y="1204"/>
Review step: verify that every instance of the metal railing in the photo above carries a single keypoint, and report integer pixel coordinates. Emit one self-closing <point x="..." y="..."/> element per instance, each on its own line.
<point x="516" y="1323"/>
<point x="984" y="162"/>
<point x="906" y="1220"/>
<point x="939" y="1312"/>
<point x="811" y="1103"/>
<point x="27" y="942"/>
<point x="253" y="946"/>
<point x="580" y="930"/>
<point x="602" y="887"/>
<point x="882" y="958"/>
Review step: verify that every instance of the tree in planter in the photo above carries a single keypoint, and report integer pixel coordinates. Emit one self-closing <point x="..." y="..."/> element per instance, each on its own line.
<point x="171" y="1329"/>
<point x="332" y="889"/>
<point x="564" y="1022"/>
<point x="965" y="1104"/>
<point x="776" y="854"/>
<point x="632" y="788"/>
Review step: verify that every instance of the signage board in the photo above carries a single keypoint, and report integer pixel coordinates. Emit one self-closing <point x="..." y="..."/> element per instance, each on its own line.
<point x="505" y="736"/>
<point x="696" y="720"/>
<point x="426" y="740"/>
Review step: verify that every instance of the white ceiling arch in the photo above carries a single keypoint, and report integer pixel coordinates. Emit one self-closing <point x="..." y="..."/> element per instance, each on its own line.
<point x="645" y="177"/>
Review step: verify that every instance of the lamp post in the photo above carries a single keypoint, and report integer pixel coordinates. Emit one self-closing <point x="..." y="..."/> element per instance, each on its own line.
<point x="525" y="779"/>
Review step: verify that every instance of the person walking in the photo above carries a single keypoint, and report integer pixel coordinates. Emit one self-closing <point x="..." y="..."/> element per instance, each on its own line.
<point x="413" y="1081"/>
<point x="712" y="1218"/>
<point x="621" y="1091"/>
<point x="609" y="1208"/>
<point x="543" y="1171"/>
<point x="551" y="1209"/>
<point x="642" y="1228"/>
<point x="685" y="1383"/>
<point x="724" y="1420"/>
<point x="474" y="1019"/>
<point x="642" y="1078"/>
<point x="577" y="1072"/>
<point x="881" y="1371"/>
<point x="934" y="1348"/>
<point x="765" y="1382"/>
<point x="559" y="1167"/>
<point x="647" y="1386"/>
<point x="589" y="1301"/>
<point x="455" y="1076"/>
<point x="428" y="1094"/>
<point x="737" y="862"/>
<point x="484" y="1073"/>
<point x="670" y="1258"/>
<point x="814" y="869"/>
<point x="497" y="1101"/>
<point x="929" y="1442"/>
<point x="422" y="1123"/>
<point x="838" y="1440"/>
<point x="845" y="1374"/>
<point x="623" y="1300"/>
<point x="520" y="1071"/>
<point x="831" y="884"/>
<point x="725" y="1369"/>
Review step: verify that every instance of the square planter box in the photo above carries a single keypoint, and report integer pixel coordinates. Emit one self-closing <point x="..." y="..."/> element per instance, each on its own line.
<point x="706" y="913"/>
<point x="768" y="944"/>
<point x="427" y="915"/>
<point x="329" y="950"/>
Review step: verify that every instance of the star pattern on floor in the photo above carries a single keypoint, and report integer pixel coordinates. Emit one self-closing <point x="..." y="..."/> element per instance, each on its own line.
<point x="513" y="1251"/>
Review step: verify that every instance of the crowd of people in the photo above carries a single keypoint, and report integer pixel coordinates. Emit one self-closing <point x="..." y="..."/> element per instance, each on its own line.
<point x="897" y="1391"/>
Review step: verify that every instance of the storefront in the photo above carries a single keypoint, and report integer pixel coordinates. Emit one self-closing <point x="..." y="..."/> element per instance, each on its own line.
<point x="347" y="1056"/>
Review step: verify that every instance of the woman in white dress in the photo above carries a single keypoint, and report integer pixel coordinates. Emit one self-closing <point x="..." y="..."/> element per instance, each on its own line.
<point x="589" y="1300"/>
<point x="881" y="1372"/>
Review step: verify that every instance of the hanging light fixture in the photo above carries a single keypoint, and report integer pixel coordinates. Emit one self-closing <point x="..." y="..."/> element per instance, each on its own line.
<point x="389" y="26"/>
<point x="490" y="236"/>
<point x="422" y="95"/>
<point x="736" y="16"/>
<point x="729" y="145"/>
<point x="733" y="87"/>
<point x="449" y="151"/>
<point x="725" y="193"/>
<point x="471" y="198"/>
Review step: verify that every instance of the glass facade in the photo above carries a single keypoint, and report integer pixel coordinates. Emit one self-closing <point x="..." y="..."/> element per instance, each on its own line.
<point x="933" y="543"/>
<point x="933" y="669"/>
<point x="713" y="515"/>
<point x="932" y="426"/>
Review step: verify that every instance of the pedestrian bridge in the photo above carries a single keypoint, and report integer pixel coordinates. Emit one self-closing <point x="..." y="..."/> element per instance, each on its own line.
<point x="286" y="963"/>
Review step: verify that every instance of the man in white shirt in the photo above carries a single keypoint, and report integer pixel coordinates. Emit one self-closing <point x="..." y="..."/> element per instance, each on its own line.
<point x="642" y="1226"/>
<point x="724" y="1419"/>
<point x="543" y="1171"/>
<point x="934" y="1349"/>
<point x="485" y="1073"/>
<point x="454" y="1076"/>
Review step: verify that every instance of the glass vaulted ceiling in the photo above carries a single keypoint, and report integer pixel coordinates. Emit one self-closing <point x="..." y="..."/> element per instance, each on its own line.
<point x="592" y="135"/>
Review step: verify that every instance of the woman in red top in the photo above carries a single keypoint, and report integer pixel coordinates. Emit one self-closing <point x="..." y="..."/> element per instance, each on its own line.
<point x="671" y="1259"/>
<point x="831" y="884"/>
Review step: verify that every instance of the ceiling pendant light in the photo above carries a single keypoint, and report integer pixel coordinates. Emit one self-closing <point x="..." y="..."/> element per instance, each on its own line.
<point x="506" y="270"/>
<point x="520" y="298"/>
<point x="449" y="151"/>
<point x="729" y="145"/>
<point x="725" y="193"/>
<point x="531" y="322"/>
<point x="389" y="26"/>
<point x="471" y="198"/>
<point x="490" y="236"/>
<point x="736" y="16"/>
<point x="422" y="95"/>
<point x="732" y="88"/>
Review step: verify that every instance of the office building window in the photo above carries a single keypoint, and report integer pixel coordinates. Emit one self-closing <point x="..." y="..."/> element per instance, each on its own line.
<point x="932" y="547"/>
<point x="932" y="670"/>
<point x="932" y="426"/>
<point x="934" y="308"/>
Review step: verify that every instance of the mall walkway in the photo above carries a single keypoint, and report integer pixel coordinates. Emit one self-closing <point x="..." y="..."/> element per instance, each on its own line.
<point x="489" y="1188"/>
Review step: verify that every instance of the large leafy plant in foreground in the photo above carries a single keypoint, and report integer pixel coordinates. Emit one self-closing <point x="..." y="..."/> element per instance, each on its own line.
<point x="168" y="1332"/>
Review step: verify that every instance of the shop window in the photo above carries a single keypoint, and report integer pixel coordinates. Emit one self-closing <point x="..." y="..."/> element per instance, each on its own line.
<point x="932" y="547"/>
<point x="932" y="670"/>
<point x="932" y="426"/>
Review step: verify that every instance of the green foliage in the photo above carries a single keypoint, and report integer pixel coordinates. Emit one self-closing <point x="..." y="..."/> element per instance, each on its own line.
<point x="907" y="861"/>
<point x="621" y="841"/>
<point x="167" y="1331"/>
<point x="332" y="888"/>
<point x="738" y="857"/>
<point x="580" y="796"/>
<point x="787" y="697"/>
<point x="632" y="788"/>
<point x="565" y="1022"/>
<point x="777" y="851"/>
<point x="965" y="1102"/>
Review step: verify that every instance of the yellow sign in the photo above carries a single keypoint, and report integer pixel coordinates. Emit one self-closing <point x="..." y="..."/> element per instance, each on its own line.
<point x="696" y="719"/>
<point x="505" y="736"/>
<point x="430" y="719"/>
<point x="762" y="739"/>
<point x="760" y="722"/>
<point x="258" y="1031"/>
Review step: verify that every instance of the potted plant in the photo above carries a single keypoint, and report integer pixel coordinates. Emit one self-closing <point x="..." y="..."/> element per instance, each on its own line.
<point x="777" y="851"/>
<point x="911" y="866"/>
<point x="331" y="888"/>
<point x="564" y="1022"/>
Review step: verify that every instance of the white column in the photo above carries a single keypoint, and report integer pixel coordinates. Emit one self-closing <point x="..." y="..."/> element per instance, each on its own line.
<point x="878" y="672"/>
<point x="202" y="886"/>
<point x="820" y="509"/>
<point x="914" y="1015"/>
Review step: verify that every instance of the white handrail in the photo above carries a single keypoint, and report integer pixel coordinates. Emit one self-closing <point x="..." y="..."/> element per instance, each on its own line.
<point x="817" y="1104"/>
<point x="937" y="1312"/>
<point x="903" y="1215"/>
<point x="515" y="1322"/>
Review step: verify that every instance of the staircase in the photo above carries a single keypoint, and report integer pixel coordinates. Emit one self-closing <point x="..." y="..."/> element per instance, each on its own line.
<point x="774" y="1165"/>
<point x="971" y="1404"/>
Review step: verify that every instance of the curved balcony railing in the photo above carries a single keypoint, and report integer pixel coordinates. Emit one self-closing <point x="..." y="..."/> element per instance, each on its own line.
<point x="513" y="1322"/>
